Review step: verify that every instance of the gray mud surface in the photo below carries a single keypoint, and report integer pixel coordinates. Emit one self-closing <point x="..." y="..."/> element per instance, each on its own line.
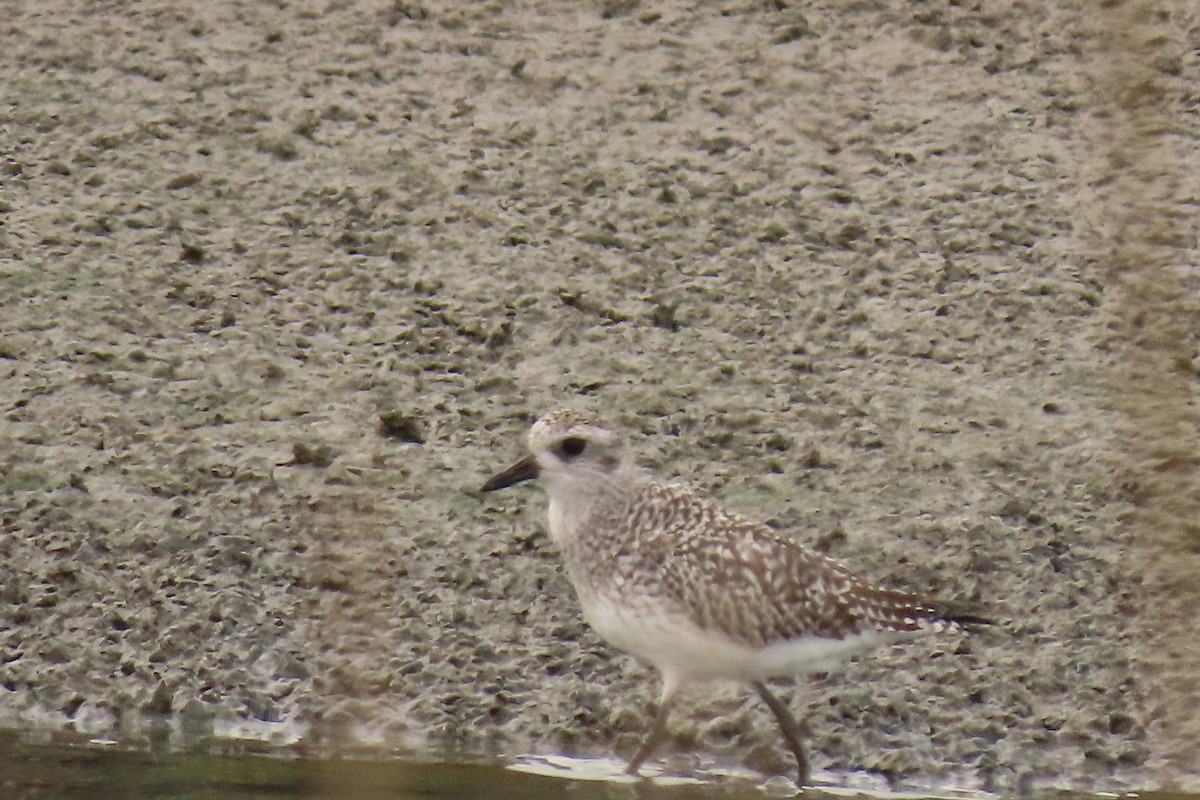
<point x="282" y="283"/>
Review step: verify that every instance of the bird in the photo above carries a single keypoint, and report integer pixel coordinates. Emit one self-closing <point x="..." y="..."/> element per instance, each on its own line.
<point x="698" y="592"/>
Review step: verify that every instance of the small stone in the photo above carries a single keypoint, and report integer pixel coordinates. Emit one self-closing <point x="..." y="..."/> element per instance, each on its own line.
<point x="191" y="254"/>
<point x="183" y="181"/>
<point x="316" y="455"/>
<point x="262" y="707"/>
<point x="1013" y="507"/>
<point x="398" y="425"/>
<point x="290" y="667"/>
<point x="196" y="719"/>
<point x="1120" y="723"/>
<point x="160" y="701"/>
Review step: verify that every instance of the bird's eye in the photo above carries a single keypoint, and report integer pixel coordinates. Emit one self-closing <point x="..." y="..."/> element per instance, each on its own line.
<point x="572" y="446"/>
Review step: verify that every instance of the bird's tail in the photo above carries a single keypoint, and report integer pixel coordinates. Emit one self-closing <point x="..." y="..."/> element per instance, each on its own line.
<point x="959" y="615"/>
<point x="900" y="611"/>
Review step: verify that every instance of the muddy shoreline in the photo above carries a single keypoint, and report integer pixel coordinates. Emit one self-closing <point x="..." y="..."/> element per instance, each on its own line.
<point x="282" y="286"/>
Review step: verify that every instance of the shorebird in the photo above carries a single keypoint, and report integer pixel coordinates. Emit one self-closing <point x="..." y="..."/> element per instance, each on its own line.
<point x="696" y="591"/>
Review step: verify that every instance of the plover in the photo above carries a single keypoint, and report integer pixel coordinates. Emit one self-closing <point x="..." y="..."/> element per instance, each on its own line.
<point x="696" y="591"/>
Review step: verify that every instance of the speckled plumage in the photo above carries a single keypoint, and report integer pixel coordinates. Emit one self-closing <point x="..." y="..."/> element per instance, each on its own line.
<point x="697" y="591"/>
<point x="732" y="575"/>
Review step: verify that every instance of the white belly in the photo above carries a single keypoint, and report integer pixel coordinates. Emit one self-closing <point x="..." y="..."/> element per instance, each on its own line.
<point x="678" y="648"/>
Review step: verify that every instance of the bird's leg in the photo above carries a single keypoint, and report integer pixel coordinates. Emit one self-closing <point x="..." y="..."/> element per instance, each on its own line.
<point x="791" y="730"/>
<point x="657" y="732"/>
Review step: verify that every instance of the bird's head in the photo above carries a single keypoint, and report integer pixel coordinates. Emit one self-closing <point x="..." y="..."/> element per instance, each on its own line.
<point x="568" y="451"/>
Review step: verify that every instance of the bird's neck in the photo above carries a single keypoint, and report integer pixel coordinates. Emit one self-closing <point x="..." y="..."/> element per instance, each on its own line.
<point x="581" y="509"/>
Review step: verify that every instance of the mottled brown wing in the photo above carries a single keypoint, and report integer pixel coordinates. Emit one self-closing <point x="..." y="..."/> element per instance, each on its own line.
<point x="755" y="586"/>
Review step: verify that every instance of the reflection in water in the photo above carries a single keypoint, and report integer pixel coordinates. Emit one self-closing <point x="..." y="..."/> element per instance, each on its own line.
<point x="99" y="771"/>
<point x="57" y="767"/>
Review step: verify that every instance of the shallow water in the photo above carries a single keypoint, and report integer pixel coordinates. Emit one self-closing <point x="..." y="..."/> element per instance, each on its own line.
<point x="99" y="771"/>
<point x="41" y="767"/>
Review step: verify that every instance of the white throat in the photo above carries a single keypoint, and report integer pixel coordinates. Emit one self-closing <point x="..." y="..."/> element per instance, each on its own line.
<point x="577" y="500"/>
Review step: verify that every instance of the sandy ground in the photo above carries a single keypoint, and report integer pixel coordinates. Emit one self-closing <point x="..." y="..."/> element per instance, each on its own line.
<point x="282" y="283"/>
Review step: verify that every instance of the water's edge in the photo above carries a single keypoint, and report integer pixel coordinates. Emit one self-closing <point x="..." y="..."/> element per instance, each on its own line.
<point x="65" y="764"/>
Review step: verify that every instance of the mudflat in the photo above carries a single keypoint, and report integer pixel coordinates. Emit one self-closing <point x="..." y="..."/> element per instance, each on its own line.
<point x="282" y="283"/>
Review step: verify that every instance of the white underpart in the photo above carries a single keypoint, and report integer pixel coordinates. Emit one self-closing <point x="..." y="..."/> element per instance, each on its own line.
<point x="640" y="627"/>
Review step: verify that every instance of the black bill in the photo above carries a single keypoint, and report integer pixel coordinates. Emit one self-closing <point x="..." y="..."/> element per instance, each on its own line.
<point x="523" y="470"/>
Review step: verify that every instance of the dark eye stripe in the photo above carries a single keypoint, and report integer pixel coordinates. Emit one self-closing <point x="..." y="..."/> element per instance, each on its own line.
<point x="572" y="446"/>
